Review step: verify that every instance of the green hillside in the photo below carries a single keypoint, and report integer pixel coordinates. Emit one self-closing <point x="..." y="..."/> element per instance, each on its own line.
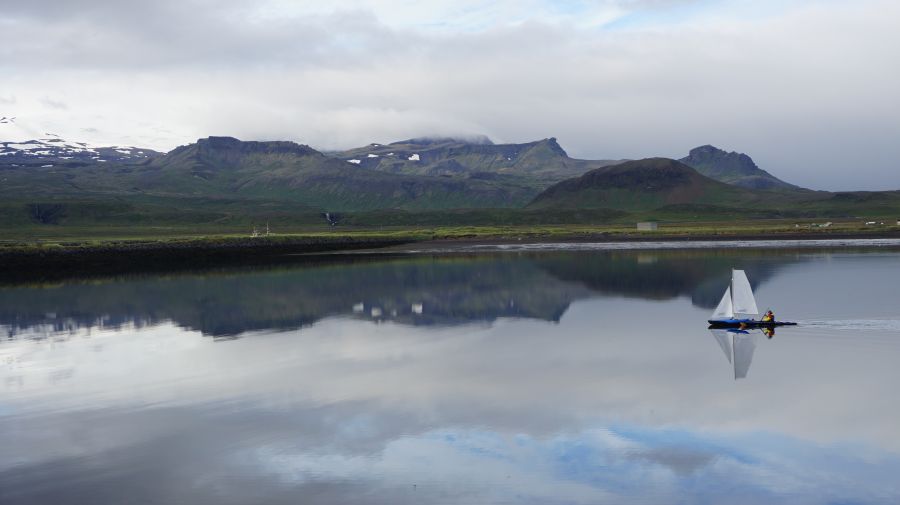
<point x="223" y="184"/>
<point x="662" y="188"/>
<point x="221" y="168"/>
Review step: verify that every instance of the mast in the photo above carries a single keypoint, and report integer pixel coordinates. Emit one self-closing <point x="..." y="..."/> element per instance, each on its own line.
<point x="732" y="292"/>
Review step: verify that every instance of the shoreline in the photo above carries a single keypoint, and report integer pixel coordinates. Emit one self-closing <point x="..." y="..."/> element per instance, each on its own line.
<point x="54" y="262"/>
<point x="476" y="247"/>
<point x="660" y="237"/>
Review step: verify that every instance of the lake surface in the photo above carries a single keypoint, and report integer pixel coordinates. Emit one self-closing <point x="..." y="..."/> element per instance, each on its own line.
<point x="506" y="377"/>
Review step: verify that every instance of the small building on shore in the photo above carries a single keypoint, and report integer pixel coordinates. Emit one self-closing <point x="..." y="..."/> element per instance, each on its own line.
<point x="648" y="226"/>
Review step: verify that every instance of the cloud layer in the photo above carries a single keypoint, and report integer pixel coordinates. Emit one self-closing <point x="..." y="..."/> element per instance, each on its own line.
<point x="809" y="89"/>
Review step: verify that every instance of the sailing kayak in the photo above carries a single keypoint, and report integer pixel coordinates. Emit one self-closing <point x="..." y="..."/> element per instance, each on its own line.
<point x="737" y="309"/>
<point x="747" y="323"/>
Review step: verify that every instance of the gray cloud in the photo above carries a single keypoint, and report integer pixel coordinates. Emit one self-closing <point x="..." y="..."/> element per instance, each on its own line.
<point x="808" y="91"/>
<point x="159" y="35"/>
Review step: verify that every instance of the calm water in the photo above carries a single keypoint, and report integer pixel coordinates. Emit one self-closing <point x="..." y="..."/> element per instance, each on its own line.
<point x="539" y="377"/>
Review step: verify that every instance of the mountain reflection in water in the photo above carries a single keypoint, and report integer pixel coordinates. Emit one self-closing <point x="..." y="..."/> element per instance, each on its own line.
<point x="419" y="290"/>
<point x="512" y="378"/>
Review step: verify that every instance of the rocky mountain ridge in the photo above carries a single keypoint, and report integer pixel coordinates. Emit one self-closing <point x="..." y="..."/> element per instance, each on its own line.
<point x="542" y="160"/>
<point x="732" y="168"/>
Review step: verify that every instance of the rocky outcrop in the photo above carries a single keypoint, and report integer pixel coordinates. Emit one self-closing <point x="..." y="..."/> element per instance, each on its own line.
<point x="732" y="168"/>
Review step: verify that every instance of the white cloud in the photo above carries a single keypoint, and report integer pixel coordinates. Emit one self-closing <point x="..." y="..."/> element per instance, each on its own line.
<point x="808" y="89"/>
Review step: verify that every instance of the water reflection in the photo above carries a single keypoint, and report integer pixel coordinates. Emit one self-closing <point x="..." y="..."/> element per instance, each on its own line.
<point x="419" y="291"/>
<point x="738" y="346"/>
<point x="573" y="394"/>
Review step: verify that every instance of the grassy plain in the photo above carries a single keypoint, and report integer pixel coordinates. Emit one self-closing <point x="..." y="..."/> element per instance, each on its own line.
<point x="49" y="253"/>
<point x="49" y="237"/>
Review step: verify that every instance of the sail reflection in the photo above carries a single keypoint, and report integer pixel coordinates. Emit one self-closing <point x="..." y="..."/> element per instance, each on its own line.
<point x="738" y="346"/>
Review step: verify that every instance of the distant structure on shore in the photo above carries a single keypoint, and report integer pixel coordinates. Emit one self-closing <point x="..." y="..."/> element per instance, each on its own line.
<point x="648" y="226"/>
<point x="256" y="233"/>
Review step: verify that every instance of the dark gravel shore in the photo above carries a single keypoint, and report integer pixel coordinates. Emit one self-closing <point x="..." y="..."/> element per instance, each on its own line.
<point x="30" y="264"/>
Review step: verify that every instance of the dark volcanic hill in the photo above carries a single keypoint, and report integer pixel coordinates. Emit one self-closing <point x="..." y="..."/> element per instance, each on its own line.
<point x="732" y="168"/>
<point x="640" y="185"/>
<point x="543" y="160"/>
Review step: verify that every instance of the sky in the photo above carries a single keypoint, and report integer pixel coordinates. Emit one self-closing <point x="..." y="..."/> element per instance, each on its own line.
<point x="809" y="89"/>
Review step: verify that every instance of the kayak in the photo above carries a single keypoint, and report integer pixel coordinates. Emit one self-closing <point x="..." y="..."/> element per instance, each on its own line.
<point x="747" y="323"/>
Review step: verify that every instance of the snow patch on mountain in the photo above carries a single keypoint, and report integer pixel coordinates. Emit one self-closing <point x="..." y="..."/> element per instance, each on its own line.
<point x="50" y="147"/>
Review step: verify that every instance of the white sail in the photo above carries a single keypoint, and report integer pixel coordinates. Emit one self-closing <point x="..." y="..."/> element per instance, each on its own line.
<point x="743" y="301"/>
<point x="725" y="309"/>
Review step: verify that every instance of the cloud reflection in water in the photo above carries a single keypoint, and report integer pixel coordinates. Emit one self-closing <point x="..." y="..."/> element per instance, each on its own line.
<point x="593" y="408"/>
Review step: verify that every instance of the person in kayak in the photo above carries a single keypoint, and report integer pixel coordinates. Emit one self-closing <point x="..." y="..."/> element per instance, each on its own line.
<point x="769" y="317"/>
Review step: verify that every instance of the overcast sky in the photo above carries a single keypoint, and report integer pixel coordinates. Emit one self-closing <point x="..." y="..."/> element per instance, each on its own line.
<point x="810" y="89"/>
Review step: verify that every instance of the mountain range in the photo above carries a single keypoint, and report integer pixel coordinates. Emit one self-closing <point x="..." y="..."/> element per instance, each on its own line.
<point x="227" y="167"/>
<point x="225" y="180"/>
